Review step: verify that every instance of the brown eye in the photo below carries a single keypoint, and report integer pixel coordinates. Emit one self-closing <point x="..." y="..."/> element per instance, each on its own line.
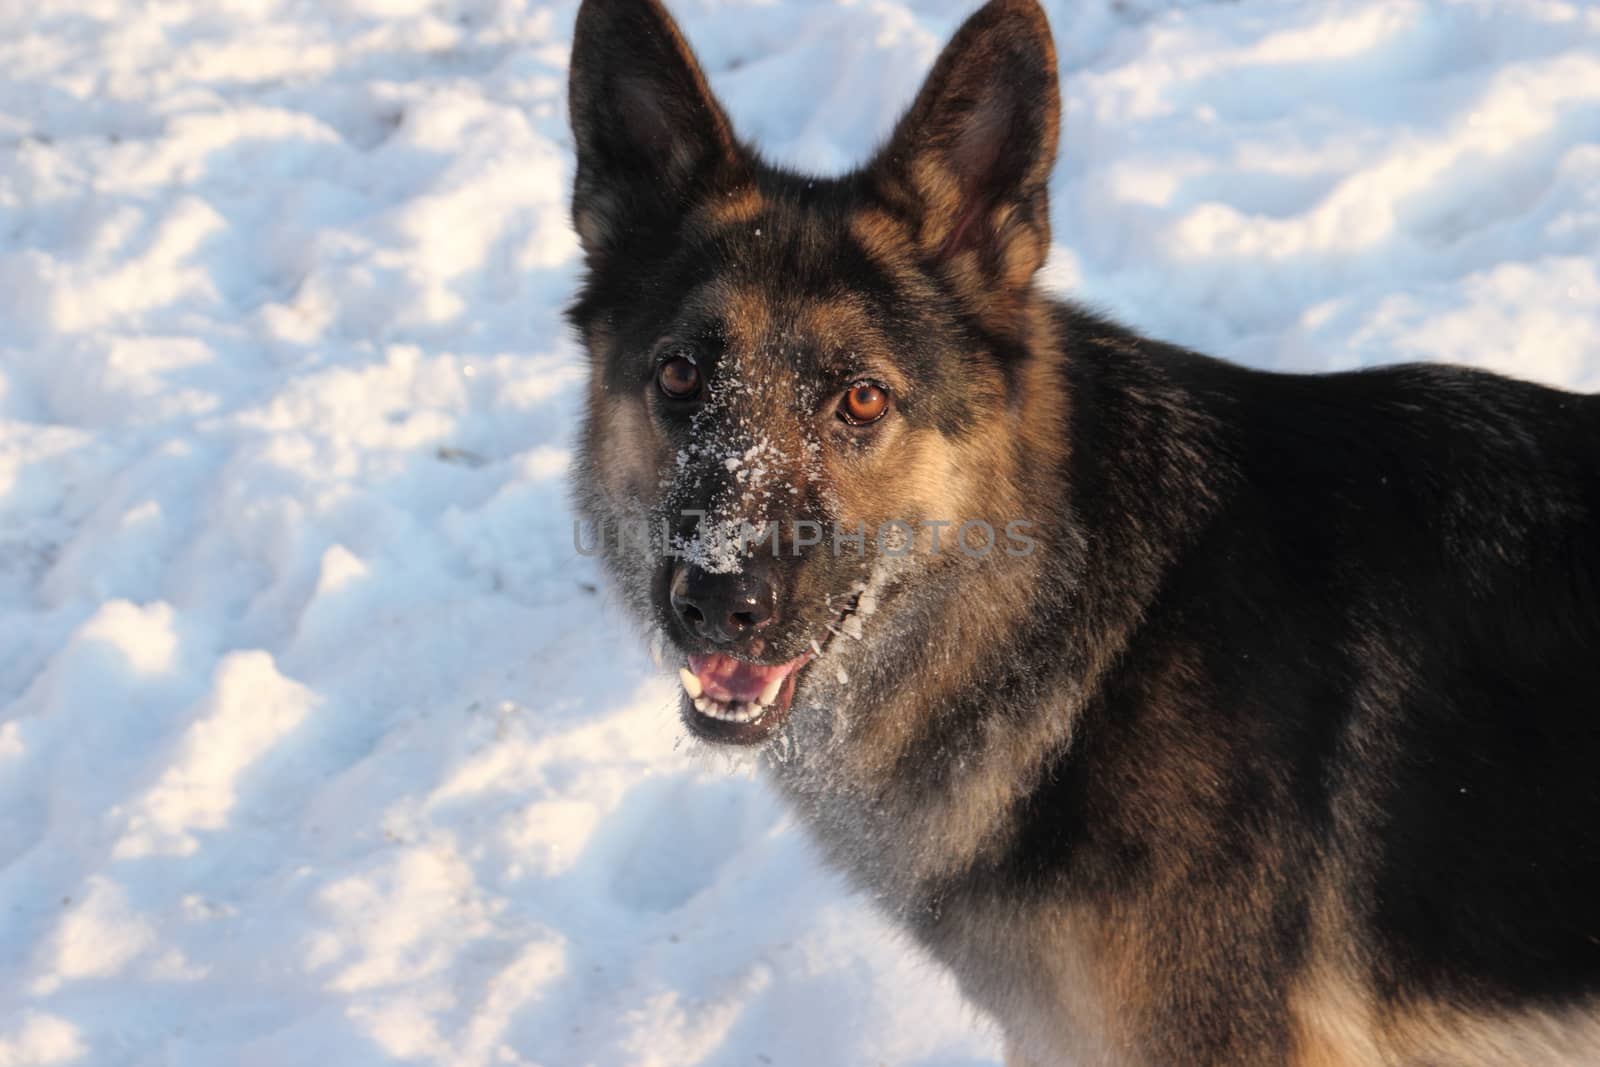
<point x="864" y="402"/>
<point x="677" y="376"/>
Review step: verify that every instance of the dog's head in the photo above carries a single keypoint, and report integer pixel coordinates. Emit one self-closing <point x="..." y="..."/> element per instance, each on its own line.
<point x="799" y="385"/>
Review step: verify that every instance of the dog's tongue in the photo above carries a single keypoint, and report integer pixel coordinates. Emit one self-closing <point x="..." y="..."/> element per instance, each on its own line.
<point x="733" y="680"/>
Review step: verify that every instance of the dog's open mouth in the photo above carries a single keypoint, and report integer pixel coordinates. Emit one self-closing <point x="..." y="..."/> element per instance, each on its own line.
<point x="732" y="701"/>
<point x="737" y="702"/>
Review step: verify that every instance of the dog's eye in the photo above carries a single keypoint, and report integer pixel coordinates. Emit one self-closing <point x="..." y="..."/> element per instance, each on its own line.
<point x="864" y="402"/>
<point x="676" y="375"/>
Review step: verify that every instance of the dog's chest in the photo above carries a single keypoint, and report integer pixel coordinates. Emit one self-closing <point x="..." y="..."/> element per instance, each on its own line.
<point x="1033" y="968"/>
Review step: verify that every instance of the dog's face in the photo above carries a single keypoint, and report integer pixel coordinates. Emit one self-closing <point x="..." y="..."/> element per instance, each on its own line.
<point x="795" y="381"/>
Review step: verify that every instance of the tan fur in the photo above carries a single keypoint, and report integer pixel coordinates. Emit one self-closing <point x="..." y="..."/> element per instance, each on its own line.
<point x="956" y="479"/>
<point x="1339" y="1021"/>
<point x="1338" y="1025"/>
<point x="592" y="222"/>
<point x="1023" y="253"/>
<point x="1003" y="766"/>
<point x="1062" y="1014"/>
<point x="1014" y="1058"/>
<point x="735" y="207"/>
<point x="630" y="440"/>
<point x="1334" y="1020"/>
<point x="883" y="239"/>
<point x="994" y="288"/>
<point x="748" y="312"/>
<point x="940" y="193"/>
<point x="1455" y="1038"/>
<point x="843" y="323"/>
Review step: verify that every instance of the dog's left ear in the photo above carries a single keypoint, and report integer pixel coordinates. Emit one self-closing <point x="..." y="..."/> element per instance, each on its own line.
<point x="970" y="162"/>
<point x="651" y="139"/>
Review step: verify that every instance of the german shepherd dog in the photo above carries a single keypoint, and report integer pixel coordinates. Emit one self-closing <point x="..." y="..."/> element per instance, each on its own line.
<point x="1267" y="728"/>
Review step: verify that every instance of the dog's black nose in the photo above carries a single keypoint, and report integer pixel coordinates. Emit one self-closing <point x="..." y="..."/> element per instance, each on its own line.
<point x="723" y="608"/>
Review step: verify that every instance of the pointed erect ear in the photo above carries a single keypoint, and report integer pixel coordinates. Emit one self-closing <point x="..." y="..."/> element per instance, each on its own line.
<point x="651" y="139"/>
<point x="968" y="165"/>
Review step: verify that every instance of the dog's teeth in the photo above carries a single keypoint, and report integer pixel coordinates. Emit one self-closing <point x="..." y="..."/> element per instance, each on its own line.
<point x="736" y="711"/>
<point x="770" y="693"/>
<point x="691" y="684"/>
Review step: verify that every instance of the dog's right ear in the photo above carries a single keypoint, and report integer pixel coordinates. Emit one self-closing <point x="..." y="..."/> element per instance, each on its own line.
<point x="651" y="139"/>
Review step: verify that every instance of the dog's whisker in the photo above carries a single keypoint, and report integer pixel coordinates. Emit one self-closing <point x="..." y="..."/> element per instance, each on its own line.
<point x="832" y="629"/>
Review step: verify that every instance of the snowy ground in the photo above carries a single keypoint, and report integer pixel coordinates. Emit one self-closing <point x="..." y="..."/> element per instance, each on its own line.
<point x="317" y="744"/>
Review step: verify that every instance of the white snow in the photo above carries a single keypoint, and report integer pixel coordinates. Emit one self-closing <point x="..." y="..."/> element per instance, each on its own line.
<point x="317" y="744"/>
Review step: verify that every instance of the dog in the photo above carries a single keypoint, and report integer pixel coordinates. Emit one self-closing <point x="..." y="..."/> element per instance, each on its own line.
<point x="1190" y="714"/>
